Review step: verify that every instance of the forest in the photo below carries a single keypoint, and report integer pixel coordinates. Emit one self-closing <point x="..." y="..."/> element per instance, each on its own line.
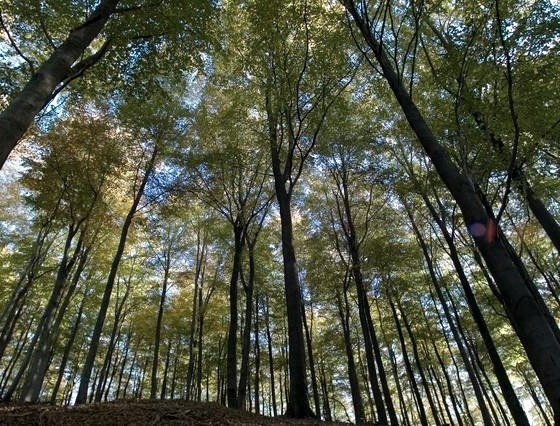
<point x="342" y="210"/>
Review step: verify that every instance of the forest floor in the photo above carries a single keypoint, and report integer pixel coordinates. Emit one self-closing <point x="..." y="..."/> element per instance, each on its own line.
<point x="141" y="413"/>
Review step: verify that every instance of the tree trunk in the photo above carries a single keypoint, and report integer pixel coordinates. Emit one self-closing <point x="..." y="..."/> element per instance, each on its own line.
<point x="298" y="398"/>
<point x="67" y="349"/>
<point x="18" y="116"/>
<point x="157" y="336"/>
<point x="231" y="369"/>
<point x="531" y="323"/>
<point x="38" y="365"/>
<point x="270" y="357"/>
<point x="198" y="280"/>
<point x="344" y="313"/>
<point x="435" y="281"/>
<point x="115" y="336"/>
<point x="419" y="365"/>
<point x="309" y="345"/>
<point x="257" y="358"/>
<point x="166" y="370"/>
<point x="96" y="336"/>
<point x="508" y="392"/>
<point x="12" y="308"/>
<point x="408" y="366"/>
<point x="246" y="344"/>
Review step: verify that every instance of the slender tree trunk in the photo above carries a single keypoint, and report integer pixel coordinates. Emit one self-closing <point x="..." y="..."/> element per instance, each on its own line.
<point x="270" y="356"/>
<point x="198" y="280"/>
<point x="13" y="307"/>
<point x="123" y="364"/>
<point x="166" y="371"/>
<point x="419" y="365"/>
<point x="20" y="345"/>
<point x="257" y="358"/>
<point x="246" y="344"/>
<point x="298" y="398"/>
<point x="232" y="397"/>
<point x="408" y="366"/>
<point x="157" y="336"/>
<point x="18" y="116"/>
<point x="373" y="352"/>
<point x="38" y="365"/>
<point x="532" y="324"/>
<point x="200" y="344"/>
<point x="311" y="363"/>
<point x="67" y="349"/>
<point x="503" y="379"/>
<point x="114" y="338"/>
<point x="344" y="313"/>
<point x="92" y="353"/>
<point x="435" y="281"/>
<point x="325" y="392"/>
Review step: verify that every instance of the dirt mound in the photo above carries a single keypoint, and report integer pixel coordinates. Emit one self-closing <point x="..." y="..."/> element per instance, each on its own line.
<point x="139" y="413"/>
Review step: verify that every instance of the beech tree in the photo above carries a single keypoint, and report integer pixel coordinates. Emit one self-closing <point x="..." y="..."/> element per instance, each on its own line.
<point x="343" y="210"/>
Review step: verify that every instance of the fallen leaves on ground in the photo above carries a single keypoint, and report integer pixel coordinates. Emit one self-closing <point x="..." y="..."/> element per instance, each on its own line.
<point x="119" y="413"/>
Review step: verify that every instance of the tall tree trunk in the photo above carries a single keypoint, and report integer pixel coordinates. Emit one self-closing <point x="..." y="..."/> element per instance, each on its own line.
<point x="435" y="281"/>
<point x="419" y="365"/>
<point x="531" y="323"/>
<point x="246" y="344"/>
<point x="13" y="306"/>
<point x="373" y="352"/>
<point x="270" y="356"/>
<point x="166" y="371"/>
<point x="96" y="336"/>
<point x="123" y="363"/>
<point x="20" y="345"/>
<point x="506" y="387"/>
<point x="308" y="341"/>
<point x="344" y="313"/>
<point x="408" y="366"/>
<point x="198" y="280"/>
<point x="231" y="369"/>
<point x="38" y="365"/>
<point x="325" y="392"/>
<point x="61" y="65"/>
<point x="257" y="358"/>
<point x="114" y="338"/>
<point x="67" y="349"/>
<point x="157" y="336"/>
<point x="298" y="398"/>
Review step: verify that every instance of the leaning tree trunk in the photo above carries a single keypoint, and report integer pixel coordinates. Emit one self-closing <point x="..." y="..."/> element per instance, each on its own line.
<point x="408" y="366"/>
<point x="96" y="336"/>
<point x="533" y="328"/>
<point x="38" y="365"/>
<point x="503" y="380"/>
<point x="18" y="116"/>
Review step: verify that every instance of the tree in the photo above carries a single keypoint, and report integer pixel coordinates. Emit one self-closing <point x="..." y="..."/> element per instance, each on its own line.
<point x="531" y="323"/>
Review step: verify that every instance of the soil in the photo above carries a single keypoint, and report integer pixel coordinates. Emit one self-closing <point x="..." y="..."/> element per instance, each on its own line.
<point x="141" y="413"/>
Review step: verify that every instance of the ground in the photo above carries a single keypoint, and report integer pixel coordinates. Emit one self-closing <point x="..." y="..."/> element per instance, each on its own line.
<point x="140" y="413"/>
